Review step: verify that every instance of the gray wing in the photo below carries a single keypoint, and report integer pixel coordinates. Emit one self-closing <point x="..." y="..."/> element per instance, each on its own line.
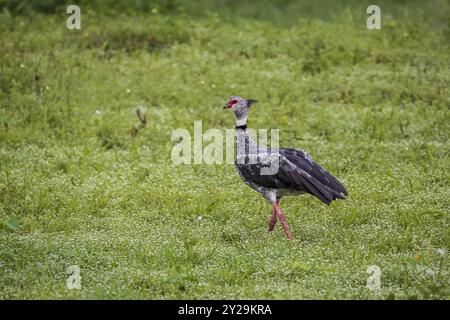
<point x="304" y="161"/>
<point x="290" y="176"/>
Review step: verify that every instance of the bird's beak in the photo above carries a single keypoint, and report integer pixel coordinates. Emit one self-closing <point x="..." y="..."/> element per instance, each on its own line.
<point x="250" y="102"/>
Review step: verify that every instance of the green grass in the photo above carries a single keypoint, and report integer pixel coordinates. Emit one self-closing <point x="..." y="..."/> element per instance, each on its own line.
<point x="77" y="189"/>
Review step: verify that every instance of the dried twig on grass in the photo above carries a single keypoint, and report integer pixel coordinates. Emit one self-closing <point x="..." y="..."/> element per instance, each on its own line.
<point x="142" y="122"/>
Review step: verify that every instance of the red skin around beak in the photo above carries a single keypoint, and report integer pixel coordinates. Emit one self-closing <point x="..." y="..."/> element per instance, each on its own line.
<point x="230" y="104"/>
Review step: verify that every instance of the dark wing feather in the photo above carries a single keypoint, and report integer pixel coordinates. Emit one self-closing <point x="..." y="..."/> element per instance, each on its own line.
<point x="302" y="160"/>
<point x="289" y="176"/>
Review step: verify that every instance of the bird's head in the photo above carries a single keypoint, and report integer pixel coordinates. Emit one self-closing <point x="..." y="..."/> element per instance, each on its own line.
<point x="239" y="106"/>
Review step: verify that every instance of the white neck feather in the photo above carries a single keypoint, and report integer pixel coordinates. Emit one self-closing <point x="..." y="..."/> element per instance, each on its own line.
<point x="241" y="122"/>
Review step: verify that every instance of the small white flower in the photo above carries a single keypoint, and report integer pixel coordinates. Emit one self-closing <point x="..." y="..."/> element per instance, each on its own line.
<point x="430" y="272"/>
<point x="199" y="218"/>
<point x="98" y="113"/>
<point x="441" y="252"/>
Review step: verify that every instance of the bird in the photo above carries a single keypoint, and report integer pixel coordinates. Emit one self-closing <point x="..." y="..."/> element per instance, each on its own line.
<point x="279" y="172"/>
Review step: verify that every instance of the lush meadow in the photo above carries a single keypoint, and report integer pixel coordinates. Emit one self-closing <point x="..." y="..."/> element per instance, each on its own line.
<point x="77" y="188"/>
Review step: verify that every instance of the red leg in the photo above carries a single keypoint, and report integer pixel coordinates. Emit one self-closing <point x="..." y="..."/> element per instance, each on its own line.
<point x="273" y="221"/>
<point x="283" y="221"/>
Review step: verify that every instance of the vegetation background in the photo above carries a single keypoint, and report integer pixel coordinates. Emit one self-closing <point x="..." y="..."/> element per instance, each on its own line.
<point x="76" y="188"/>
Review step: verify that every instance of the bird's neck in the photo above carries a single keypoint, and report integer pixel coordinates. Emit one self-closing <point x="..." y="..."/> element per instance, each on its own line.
<point x="245" y="144"/>
<point x="241" y="122"/>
